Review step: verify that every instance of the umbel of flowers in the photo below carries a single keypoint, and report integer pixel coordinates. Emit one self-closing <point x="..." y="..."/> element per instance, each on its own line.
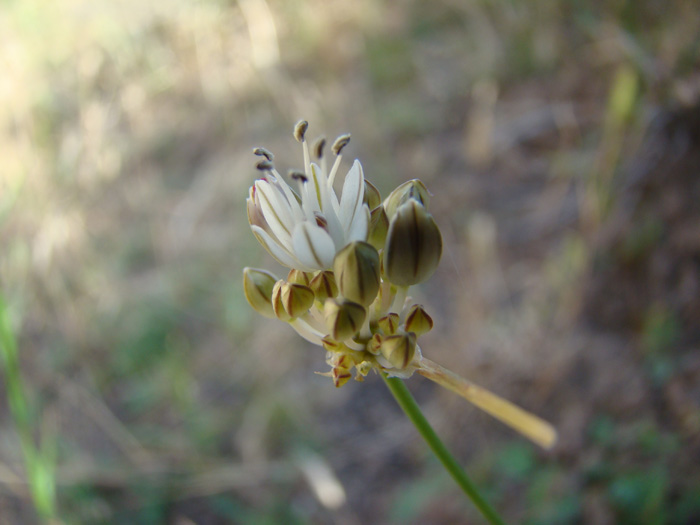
<point x="352" y="258"/>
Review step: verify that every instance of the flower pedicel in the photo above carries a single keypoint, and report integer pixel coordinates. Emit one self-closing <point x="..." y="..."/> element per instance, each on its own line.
<point x="352" y="258"/>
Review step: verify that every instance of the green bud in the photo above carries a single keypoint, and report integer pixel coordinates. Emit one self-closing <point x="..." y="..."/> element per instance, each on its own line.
<point x="296" y="299"/>
<point x="374" y="344"/>
<point x="372" y="198"/>
<point x="378" y="227"/>
<point x="343" y="318"/>
<point x="324" y="286"/>
<point x="356" y="269"/>
<point x="257" y="286"/>
<point x="413" y="189"/>
<point x="418" y="321"/>
<point x="340" y="376"/>
<point x="413" y="245"/>
<point x="298" y="277"/>
<point x="399" y="349"/>
<point x="389" y="323"/>
<point x="363" y="369"/>
<point x="277" y="304"/>
<point x="331" y="345"/>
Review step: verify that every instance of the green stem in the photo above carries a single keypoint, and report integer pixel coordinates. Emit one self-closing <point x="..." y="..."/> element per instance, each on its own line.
<point x="410" y="407"/>
<point x="39" y="467"/>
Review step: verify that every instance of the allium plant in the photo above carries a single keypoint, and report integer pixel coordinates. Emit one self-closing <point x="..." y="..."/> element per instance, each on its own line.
<point x="352" y="259"/>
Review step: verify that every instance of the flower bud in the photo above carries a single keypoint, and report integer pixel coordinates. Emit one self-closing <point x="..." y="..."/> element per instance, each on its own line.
<point x="413" y="245"/>
<point x="340" y="376"/>
<point x="298" y="277"/>
<point x="374" y="344"/>
<point x="389" y="324"/>
<point x="356" y="269"/>
<point x="277" y="304"/>
<point x="291" y="300"/>
<point x="257" y="286"/>
<point x="399" y="349"/>
<point x="372" y="198"/>
<point x="413" y="189"/>
<point x="324" y="286"/>
<point x="378" y="227"/>
<point x="363" y="369"/>
<point x="343" y="318"/>
<point x="418" y="321"/>
<point x="296" y="299"/>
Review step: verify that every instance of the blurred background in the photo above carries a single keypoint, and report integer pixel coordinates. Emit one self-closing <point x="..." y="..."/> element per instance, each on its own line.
<point x="561" y="141"/>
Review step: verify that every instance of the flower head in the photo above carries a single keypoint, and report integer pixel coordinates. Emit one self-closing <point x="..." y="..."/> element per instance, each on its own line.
<point x="350" y="273"/>
<point x="304" y="230"/>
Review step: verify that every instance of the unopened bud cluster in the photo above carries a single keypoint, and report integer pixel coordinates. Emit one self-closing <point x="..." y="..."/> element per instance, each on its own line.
<point x="352" y="258"/>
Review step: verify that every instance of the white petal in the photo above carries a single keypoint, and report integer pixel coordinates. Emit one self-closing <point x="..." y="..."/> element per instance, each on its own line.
<point x="276" y="210"/>
<point x="353" y="191"/>
<point x="335" y="229"/>
<point x="291" y="198"/>
<point x="359" y="229"/>
<point x="280" y="253"/>
<point x="313" y="246"/>
<point x="307" y="331"/>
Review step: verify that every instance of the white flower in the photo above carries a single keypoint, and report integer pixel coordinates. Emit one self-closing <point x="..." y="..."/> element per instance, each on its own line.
<point x="305" y="230"/>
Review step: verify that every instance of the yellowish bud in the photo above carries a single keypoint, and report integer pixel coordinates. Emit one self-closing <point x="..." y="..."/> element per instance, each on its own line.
<point x="378" y="227"/>
<point x="340" y="376"/>
<point x="298" y="277"/>
<point x="324" y="286"/>
<point x="278" y="304"/>
<point x="413" y="245"/>
<point x="413" y="189"/>
<point x="296" y="299"/>
<point x="356" y="269"/>
<point x="399" y="349"/>
<point x="418" y="321"/>
<point x="372" y="198"/>
<point x="343" y="318"/>
<point x="363" y="369"/>
<point x="389" y="324"/>
<point x="257" y="286"/>
<point x="374" y="344"/>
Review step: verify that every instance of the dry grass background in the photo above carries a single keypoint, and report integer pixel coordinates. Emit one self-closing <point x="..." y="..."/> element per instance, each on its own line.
<point x="126" y="139"/>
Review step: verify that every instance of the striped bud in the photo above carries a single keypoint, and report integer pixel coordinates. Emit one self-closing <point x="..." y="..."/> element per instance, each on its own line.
<point x="378" y="227"/>
<point x="324" y="286"/>
<point x="277" y="304"/>
<point x="298" y="277"/>
<point x="411" y="190"/>
<point x="343" y="318"/>
<point x="413" y="245"/>
<point x="418" y="321"/>
<point x="399" y="349"/>
<point x="372" y="198"/>
<point x="257" y="286"/>
<point x="340" y="376"/>
<point x="296" y="299"/>
<point x="374" y="344"/>
<point x="356" y="269"/>
<point x="389" y="324"/>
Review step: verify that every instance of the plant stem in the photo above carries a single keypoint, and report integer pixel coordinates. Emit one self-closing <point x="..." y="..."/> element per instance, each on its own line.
<point x="408" y="404"/>
<point x="38" y="464"/>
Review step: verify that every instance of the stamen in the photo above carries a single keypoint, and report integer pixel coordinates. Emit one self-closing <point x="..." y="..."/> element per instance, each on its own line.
<point x="321" y="221"/>
<point x="300" y="130"/>
<point x="334" y="170"/>
<point x="265" y="165"/>
<point x="340" y="143"/>
<point x="318" y="147"/>
<point x="298" y="176"/>
<point x="262" y="152"/>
